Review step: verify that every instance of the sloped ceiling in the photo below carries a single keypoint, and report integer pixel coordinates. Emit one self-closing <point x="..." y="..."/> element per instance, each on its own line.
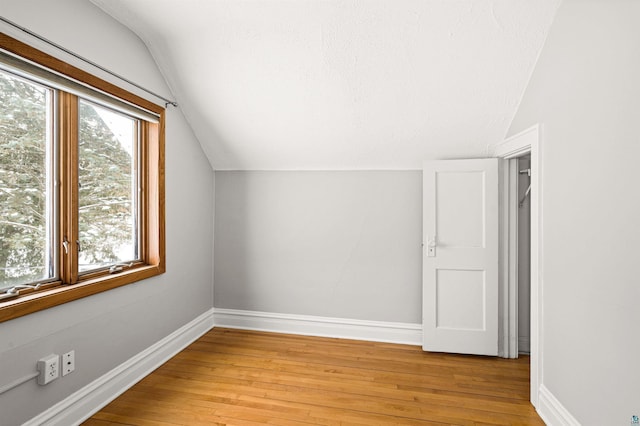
<point x="331" y="85"/>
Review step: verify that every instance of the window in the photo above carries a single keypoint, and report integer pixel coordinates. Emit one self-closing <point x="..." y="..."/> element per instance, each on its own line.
<point x="81" y="183"/>
<point x="26" y="229"/>
<point x="107" y="187"/>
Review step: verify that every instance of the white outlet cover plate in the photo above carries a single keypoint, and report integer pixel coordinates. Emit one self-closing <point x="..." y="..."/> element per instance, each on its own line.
<point x="68" y="362"/>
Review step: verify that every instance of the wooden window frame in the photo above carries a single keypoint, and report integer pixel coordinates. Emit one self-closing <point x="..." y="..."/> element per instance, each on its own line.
<point x="71" y="286"/>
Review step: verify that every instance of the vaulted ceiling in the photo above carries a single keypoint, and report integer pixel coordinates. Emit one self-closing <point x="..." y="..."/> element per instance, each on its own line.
<point x="343" y="84"/>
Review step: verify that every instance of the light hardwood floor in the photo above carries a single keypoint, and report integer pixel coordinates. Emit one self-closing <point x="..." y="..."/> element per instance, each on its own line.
<point x="240" y="377"/>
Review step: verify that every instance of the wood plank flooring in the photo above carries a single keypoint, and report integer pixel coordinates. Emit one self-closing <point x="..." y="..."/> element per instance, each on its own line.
<point x="236" y="377"/>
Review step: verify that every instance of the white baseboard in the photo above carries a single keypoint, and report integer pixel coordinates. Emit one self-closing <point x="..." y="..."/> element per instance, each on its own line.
<point x="524" y="344"/>
<point x="82" y="404"/>
<point x="552" y="411"/>
<point x="389" y="332"/>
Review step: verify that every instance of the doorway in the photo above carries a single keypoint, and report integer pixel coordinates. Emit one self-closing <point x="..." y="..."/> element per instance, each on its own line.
<point x="524" y="144"/>
<point x="524" y="254"/>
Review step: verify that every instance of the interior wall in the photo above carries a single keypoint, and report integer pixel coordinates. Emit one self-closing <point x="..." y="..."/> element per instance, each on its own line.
<point x="585" y="93"/>
<point x="332" y="244"/>
<point x="524" y="257"/>
<point x="108" y="328"/>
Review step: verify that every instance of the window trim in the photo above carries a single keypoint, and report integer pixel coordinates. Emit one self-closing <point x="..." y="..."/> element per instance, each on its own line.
<point x="152" y="201"/>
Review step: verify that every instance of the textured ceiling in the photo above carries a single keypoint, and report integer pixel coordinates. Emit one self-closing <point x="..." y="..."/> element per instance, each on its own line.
<point x="331" y="85"/>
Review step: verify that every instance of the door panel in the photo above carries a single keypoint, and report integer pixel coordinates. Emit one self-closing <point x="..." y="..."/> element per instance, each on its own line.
<point x="460" y="299"/>
<point x="459" y="209"/>
<point x="460" y="263"/>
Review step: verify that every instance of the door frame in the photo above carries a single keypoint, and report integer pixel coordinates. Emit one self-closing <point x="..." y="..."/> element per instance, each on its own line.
<point x="526" y="142"/>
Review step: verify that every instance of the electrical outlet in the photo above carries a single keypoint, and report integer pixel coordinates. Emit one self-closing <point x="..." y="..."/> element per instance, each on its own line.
<point x="68" y="362"/>
<point x="49" y="368"/>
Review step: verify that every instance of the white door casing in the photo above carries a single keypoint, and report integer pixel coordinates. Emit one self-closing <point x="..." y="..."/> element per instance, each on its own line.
<point x="528" y="141"/>
<point x="460" y="259"/>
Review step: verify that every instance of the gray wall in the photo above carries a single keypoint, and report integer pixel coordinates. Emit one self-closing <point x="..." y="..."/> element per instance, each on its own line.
<point x="585" y="92"/>
<point x="109" y="328"/>
<point x="334" y="244"/>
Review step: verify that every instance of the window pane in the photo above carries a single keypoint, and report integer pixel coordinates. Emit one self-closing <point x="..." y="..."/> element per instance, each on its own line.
<point x="26" y="249"/>
<point x="108" y="176"/>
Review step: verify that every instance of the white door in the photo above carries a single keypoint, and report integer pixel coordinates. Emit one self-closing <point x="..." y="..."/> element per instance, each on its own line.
<point x="460" y="259"/>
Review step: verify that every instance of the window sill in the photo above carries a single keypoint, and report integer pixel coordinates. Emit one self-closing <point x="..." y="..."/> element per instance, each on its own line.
<point x="37" y="301"/>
